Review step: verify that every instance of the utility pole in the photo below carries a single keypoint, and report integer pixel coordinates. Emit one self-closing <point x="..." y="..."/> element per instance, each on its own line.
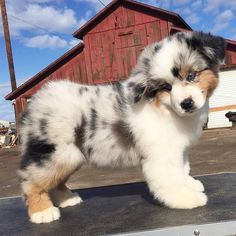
<point x="8" y="44"/>
<point x="9" y="54"/>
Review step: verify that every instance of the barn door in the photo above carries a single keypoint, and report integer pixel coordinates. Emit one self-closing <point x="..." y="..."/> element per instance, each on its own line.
<point x="114" y="53"/>
<point x="129" y="44"/>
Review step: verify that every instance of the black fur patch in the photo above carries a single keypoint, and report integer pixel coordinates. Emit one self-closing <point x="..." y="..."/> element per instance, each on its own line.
<point x="146" y="62"/>
<point x="201" y="41"/>
<point x="180" y="37"/>
<point x="97" y="91"/>
<point x="93" y="120"/>
<point x="123" y="134"/>
<point x="117" y="87"/>
<point x="104" y="123"/>
<point x="175" y="72"/>
<point x="150" y="90"/>
<point x="24" y="116"/>
<point x="82" y="90"/>
<point x="37" y="151"/>
<point x="131" y="84"/>
<point x="157" y="48"/>
<point x="138" y="91"/>
<point x="89" y="151"/>
<point x="43" y="126"/>
<point x="80" y="134"/>
<point x="136" y="72"/>
<point x="120" y="97"/>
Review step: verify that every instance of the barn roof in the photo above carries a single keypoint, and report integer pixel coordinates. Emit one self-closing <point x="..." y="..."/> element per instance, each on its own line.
<point x="138" y="6"/>
<point x="49" y="69"/>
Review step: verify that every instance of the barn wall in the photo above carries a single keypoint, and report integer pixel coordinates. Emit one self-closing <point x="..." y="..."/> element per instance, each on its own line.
<point x="72" y="70"/>
<point x="113" y="45"/>
<point x="230" y="58"/>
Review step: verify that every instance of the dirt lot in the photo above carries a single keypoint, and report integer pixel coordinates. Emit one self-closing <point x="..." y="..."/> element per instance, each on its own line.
<point x="216" y="152"/>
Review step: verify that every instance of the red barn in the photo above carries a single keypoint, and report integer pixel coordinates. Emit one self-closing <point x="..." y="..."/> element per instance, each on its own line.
<point x="112" y="41"/>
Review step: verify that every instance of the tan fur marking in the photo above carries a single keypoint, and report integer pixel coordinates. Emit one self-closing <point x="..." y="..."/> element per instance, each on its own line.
<point x="57" y="177"/>
<point x="184" y="71"/>
<point x="207" y="82"/>
<point x="37" y="200"/>
<point x="157" y="100"/>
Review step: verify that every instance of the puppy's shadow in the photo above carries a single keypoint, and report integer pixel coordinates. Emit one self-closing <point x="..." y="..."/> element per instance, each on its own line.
<point x="132" y="189"/>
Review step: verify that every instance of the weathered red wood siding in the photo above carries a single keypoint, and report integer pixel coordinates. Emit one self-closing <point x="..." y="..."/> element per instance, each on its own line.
<point x="113" y="45"/>
<point x="230" y="58"/>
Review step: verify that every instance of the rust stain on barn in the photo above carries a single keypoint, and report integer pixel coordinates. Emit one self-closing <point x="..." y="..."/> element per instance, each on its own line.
<point x="112" y="42"/>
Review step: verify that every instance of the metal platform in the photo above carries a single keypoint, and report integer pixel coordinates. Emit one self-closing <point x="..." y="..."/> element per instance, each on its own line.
<point x="130" y="210"/>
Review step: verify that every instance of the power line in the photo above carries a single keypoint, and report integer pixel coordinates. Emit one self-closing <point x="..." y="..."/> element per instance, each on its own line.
<point x="102" y="3"/>
<point x="35" y="26"/>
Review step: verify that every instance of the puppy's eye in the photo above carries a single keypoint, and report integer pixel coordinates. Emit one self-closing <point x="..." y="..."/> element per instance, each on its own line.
<point x="191" y="76"/>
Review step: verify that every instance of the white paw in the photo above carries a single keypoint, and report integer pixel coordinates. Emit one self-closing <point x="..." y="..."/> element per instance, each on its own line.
<point x="183" y="198"/>
<point x="72" y="201"/>
<point x="45" y="216"/>
<point x="195" y="184"/>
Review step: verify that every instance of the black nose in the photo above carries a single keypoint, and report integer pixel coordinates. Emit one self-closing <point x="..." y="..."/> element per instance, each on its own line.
<point x="187" y="104"/>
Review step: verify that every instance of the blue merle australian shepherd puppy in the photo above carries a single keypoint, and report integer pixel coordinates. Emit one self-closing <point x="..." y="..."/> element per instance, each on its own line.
<point x="152" y="119"/>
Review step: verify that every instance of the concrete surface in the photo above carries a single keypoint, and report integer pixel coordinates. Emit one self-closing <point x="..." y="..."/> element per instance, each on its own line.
<point x="129" y="208"/>
<point x="215" y="152"/>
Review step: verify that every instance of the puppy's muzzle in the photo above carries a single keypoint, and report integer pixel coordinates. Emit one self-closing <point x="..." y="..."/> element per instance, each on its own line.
<point x="187" y="105"/>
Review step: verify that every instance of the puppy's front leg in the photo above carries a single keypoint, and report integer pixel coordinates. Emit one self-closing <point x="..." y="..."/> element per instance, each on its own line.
<point x="164" y="173"/>
<point x="191" y="182"/>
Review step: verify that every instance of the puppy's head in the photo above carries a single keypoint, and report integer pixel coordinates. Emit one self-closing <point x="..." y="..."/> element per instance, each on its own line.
<point x="189" y="61"/>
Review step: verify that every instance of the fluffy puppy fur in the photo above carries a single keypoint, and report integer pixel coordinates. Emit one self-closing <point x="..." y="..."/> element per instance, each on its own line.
<point x="136" y="121"/>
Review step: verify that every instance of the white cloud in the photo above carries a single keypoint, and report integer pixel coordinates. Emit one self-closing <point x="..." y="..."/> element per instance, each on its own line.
<point x="222" y="21"/>
<point x="45" y="21"/>
<point x="73" y="43"/>
<point x="45" y="41"/>
<point x="165" y="4"/>
<point x="181" y="2"/>
<point x="192" y="19"/>
<point x="95" y="4"/>
<point x="233" y="37"/>
<point x="47" y="17"/>
<point x="219" y="26"/>
<point x="196" y="5"/>
<point x="183" y="11"/>
<point x="227" y="15"/>
<point x="214" y="6"/>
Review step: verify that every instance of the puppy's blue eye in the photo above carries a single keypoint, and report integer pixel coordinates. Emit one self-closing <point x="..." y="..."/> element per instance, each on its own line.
<point x="191" y="76"/>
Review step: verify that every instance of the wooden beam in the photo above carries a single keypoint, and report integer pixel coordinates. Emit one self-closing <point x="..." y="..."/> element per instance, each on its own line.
<point x="8" y="44"/>
<point x="9" y="55"/>
<point x="222" y="108"/>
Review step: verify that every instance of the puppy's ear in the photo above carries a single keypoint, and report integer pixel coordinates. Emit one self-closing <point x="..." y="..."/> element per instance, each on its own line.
<point x="155" y="86"/>
<point x="150" y="89"/>
<point x="212" y="47"/>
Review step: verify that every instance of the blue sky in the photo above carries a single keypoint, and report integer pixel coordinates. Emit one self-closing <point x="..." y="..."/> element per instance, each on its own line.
<point x="41" y="31"/>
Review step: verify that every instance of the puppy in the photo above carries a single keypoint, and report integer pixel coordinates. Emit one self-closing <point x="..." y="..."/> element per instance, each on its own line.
<point x="152" y="119"/>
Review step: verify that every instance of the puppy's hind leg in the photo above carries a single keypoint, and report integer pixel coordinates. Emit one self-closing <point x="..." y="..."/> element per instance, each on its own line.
<point x="73" y="159"/>
<point x="40" y="207"/>
<point x="38" y="179"/>
<point x="63" y="197"/>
